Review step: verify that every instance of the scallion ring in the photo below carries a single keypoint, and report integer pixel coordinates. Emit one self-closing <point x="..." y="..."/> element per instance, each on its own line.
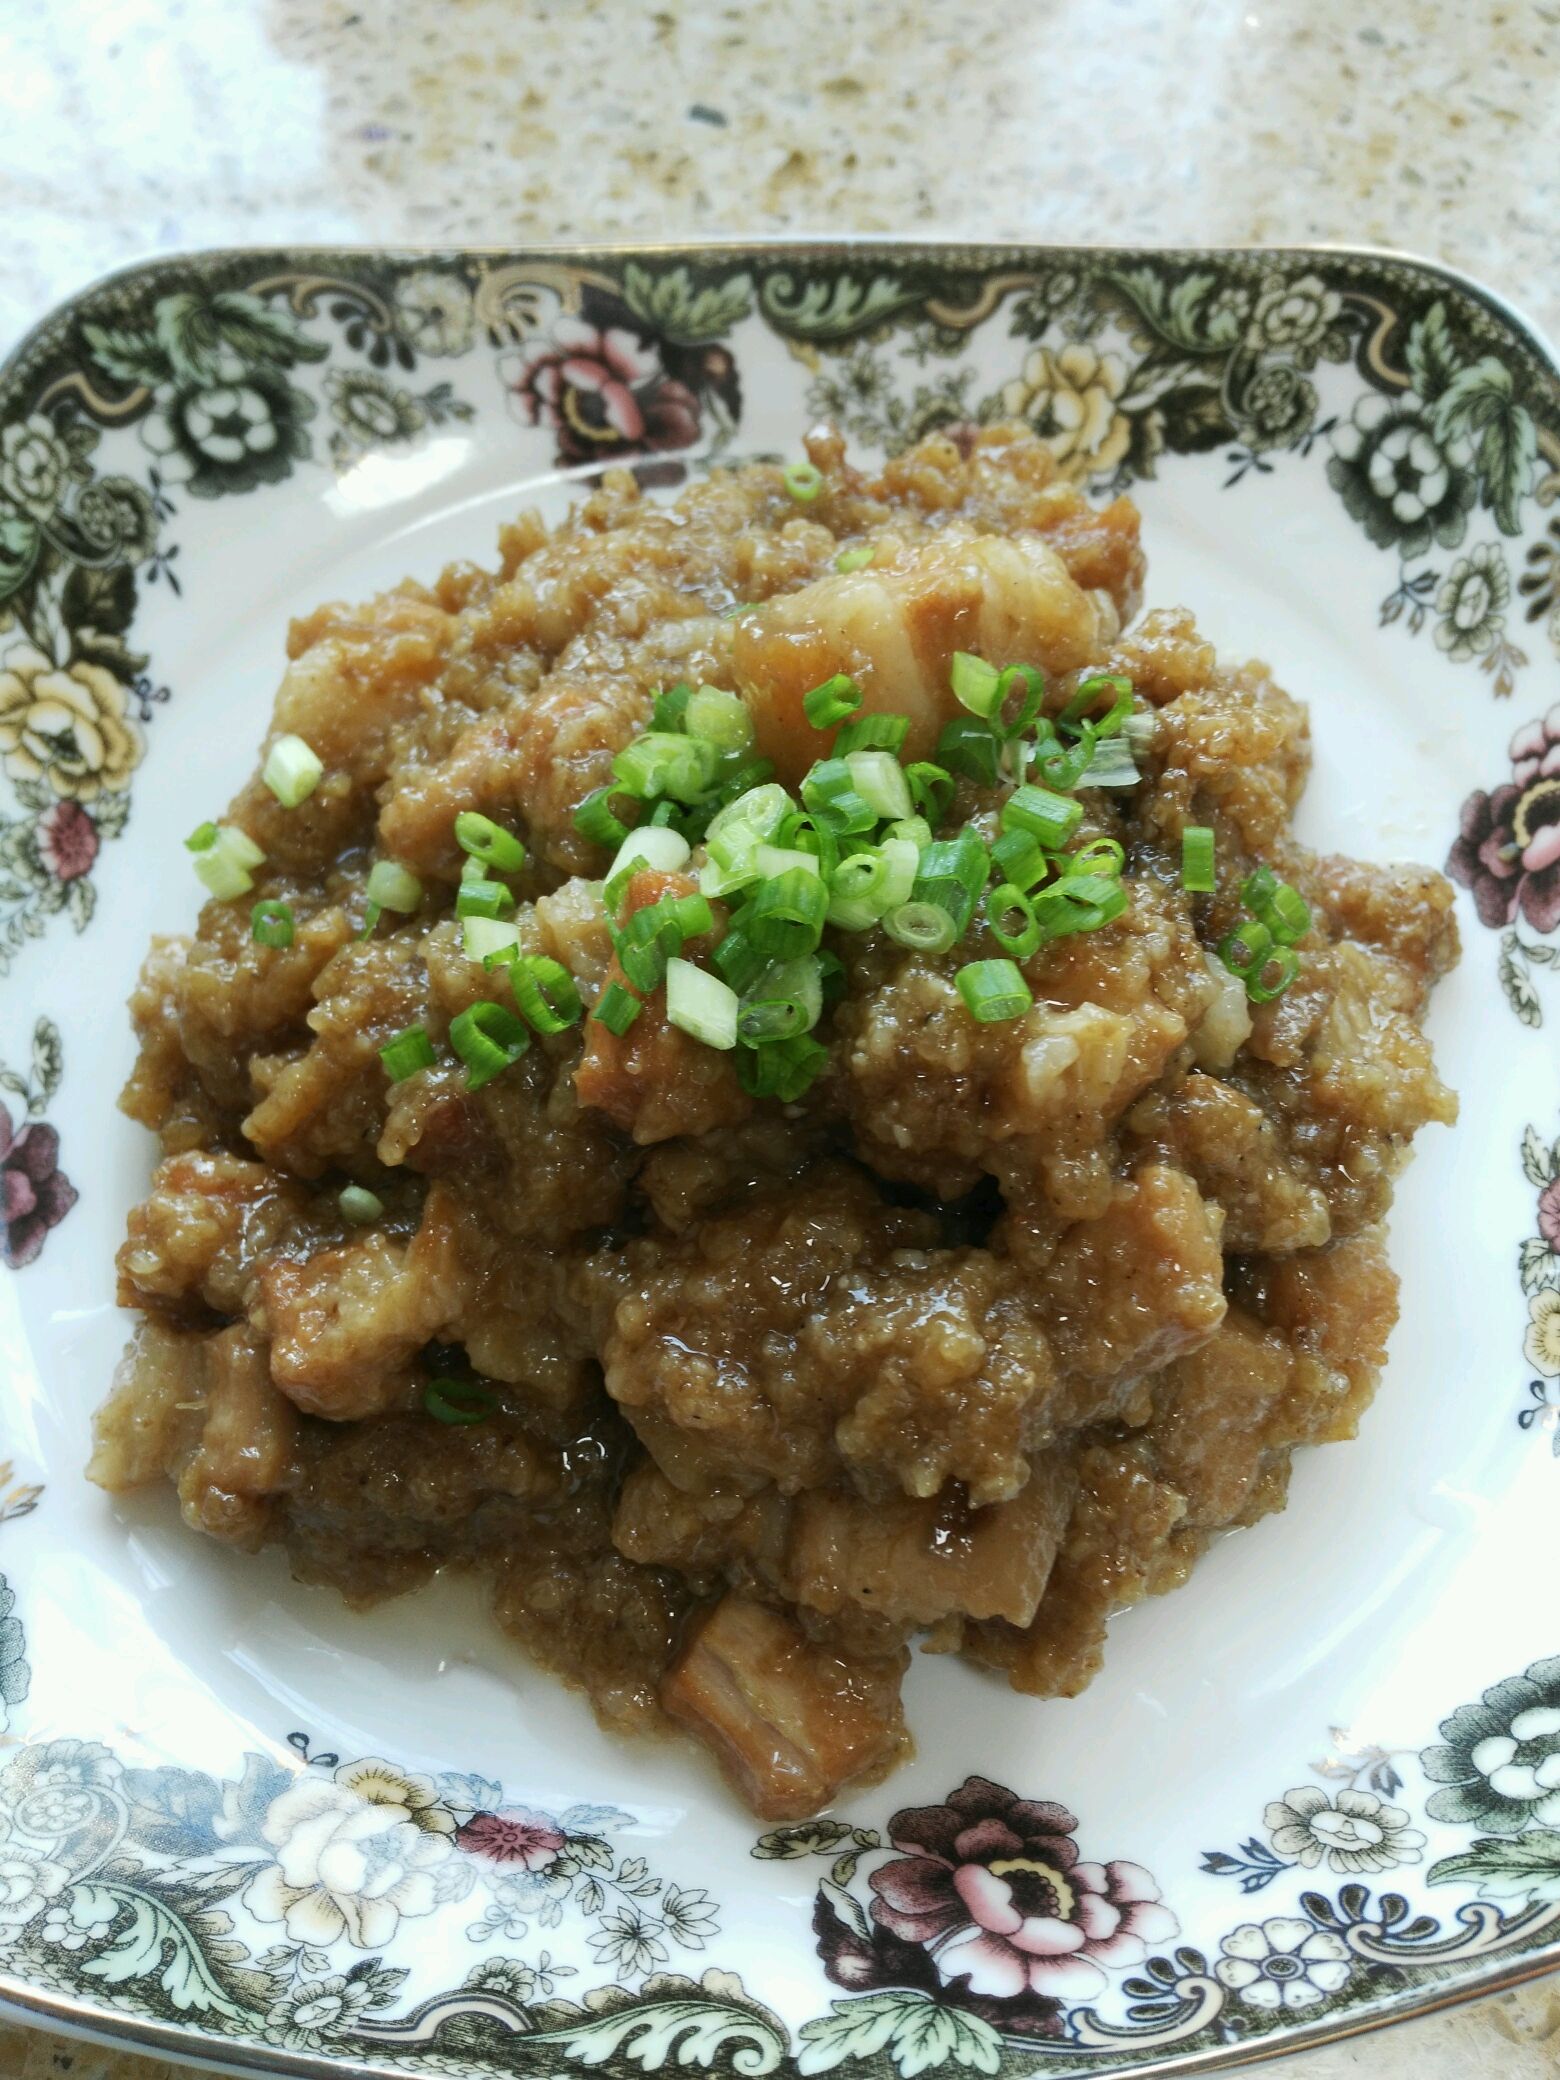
<point x="617" y="1008"/>
<point x="831" y="701"/>
<point x="1050" y="819"/>
<point x="488" y="1040"/>
<point x="1197" y="872"/>
<point x="407" y="1052"/>
<point x="458" y="1401"/>
<point x="803" y="480"/>
<point x="271" y="924"/>
<point x="596" y="819"/>
<point x="489" y="842"/>
<point x="1011" y="921"/>
<point x="478" y="898"/>
<point x="993" y="991"/>
<point x="701" y="1004"/>
<point x="292" y="770"/>
<point x="546" y="993"/>
<point x="976" y="684"/>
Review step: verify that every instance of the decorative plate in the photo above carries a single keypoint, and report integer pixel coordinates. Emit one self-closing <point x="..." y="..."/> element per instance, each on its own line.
<point x="1316" y="1789"/>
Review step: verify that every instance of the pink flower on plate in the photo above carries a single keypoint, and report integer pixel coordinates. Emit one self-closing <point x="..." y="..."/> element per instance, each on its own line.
<point x="35" y="1194"/>
<point x="993" y="1887"/>
<point x="67" y="841"/>
<point x="1508" y="848"/>
<point x="603" y="393"/>
<point x="512" y="1836"/>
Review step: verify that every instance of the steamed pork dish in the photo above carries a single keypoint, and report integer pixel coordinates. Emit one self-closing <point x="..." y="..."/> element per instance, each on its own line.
<point x="770" y="1076"/>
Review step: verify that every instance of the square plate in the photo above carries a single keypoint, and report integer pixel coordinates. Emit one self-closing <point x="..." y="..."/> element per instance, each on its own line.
<point x="1318" y="1788"/>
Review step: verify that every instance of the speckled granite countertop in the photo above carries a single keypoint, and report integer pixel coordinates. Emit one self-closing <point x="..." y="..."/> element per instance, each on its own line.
<point x="128" y="126"/>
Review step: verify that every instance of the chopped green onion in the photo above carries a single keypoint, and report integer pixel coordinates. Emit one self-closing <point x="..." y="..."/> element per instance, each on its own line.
<point x="668" y="815"/>
<point x="1087" y="697"/>
<point x="239" y="845"/>
<point x="756" y="813"/>
<point x="1079" y="903"/>
<point x="271" y="924"/>
<point x="801" y="833"/>
<point x="1050" y="819"/>
<point x="488" y="1039"/>
<point x="669" y="709"/>
<point x="458" y="1401"/>
<point x="950" y="874"/>
<point x="855" y="891"/>
<point x="223" y="856"/>
<point x="915" y="829"/>
<point x="872" y="733"/>
<point x="1274" y="976"/>
<point x="660" y="763"/>
<point x="1244" y="949"/>
<point x="803" y="481"/>
<point x="359" y="1205"/>
<point x="478" y="898"/>
<point x="662" y="851"/>
<point x="737" y="960"/>
<point x="931" y="789"/>
<point x="771" y="860"/>
<point x="741" y="606"/>
<point x="785" y="1000"/>
<point x="370" y="919"/>
<point x="1017" y="857"/>
<point x="731" y="871"/>
<point x="1062" y="766"/>
<point x="1011" y="921"/>
<point x="830" y="793"/>
<point x="1140" y="729"/>
<point x="785" y="917"/>
<point x="850" y="560"/>
<point x="487" y="939"/>
<point x="993" y="991"/>
<point x="489" y="842"/>
<point x="545" y="991"/>
<point x="617" y="1008"/>
<point x="1111" y="765"/>
<point x="292" y="771"/>
<point x="1033" y="683"/>
<point x="783" y="1069"/>
<point x="1099" y="856"/>
<point x="923" y="926"/>
<point x="733" y="781"/>
<point x="393" y="887"/>
<point x="595" y="818"/>
<point x="1197" y="873"/>
<point x="879" y="779"/>
<point x="1281" y="908"/>
<point x="652" y="935"/>
<point x="976" y="684"/>
<point x="719" y="717"/>
<point x="969" y="747"/>
<point x="831" y="702"/>
<point x="406" y="1053"/>
<point x="701" y="1004"/>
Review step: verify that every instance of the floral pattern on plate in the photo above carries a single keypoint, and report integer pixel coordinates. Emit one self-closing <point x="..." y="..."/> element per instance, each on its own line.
<point x="35" y="1193"/>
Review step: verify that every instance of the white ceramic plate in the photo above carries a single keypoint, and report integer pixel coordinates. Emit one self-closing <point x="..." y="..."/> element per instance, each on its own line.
<point x="1321" y="1785"/>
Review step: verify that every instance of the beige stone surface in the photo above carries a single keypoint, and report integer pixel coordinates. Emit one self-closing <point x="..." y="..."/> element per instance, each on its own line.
<point x="134" y="126"/>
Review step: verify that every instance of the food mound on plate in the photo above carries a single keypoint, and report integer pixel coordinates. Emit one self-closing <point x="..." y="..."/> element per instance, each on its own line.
<point x="771" y="1076"/>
